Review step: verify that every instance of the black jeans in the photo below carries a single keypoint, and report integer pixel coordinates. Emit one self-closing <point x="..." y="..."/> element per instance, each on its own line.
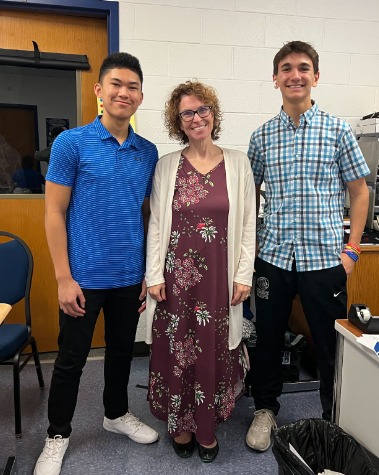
<point x="324" y="299"/>
<point x="121" y="317"/>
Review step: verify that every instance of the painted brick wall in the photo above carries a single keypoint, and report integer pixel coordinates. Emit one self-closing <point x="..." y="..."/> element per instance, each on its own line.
<point x="230" y="44"/>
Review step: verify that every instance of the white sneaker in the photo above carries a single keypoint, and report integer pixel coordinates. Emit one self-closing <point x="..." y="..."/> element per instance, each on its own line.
<point x="50" y="460"/>
<point x="132" y="427"/>
<point x="259" y="434"/>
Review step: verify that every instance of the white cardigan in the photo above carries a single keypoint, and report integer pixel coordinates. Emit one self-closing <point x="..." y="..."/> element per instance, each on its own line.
<point x="241" y="231"/>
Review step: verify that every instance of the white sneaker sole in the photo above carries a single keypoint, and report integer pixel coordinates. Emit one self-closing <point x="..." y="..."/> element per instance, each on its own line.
<point x="131" y="437"/>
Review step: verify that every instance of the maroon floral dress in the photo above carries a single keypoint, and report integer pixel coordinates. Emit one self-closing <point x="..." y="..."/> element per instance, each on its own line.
<point x="194" y="378"/>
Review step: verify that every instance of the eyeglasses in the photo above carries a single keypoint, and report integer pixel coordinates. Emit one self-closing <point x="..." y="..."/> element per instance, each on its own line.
<point x="202" y="112"/>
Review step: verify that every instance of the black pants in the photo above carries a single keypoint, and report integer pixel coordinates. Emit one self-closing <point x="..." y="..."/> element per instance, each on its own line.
<point x="121" y="317"/>
<point x="324" y="299"/>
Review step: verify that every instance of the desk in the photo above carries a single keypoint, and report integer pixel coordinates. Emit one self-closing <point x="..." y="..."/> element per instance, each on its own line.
<point x="356" y="388"/>
<point x="4" y="310"/>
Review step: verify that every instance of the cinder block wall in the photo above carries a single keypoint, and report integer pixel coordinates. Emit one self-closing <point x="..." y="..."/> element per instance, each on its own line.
<point x="230" y="44"/>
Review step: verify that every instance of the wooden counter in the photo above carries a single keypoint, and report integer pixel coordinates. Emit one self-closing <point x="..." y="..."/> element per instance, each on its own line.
<point x="362" y="287"/>
<point x="350" y="327"/>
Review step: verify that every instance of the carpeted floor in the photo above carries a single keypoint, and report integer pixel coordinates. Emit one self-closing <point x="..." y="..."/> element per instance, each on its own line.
<point x="93" y="451"/>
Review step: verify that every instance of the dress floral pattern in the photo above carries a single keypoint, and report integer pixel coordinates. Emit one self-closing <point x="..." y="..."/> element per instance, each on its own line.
<point x="194" y="378"/>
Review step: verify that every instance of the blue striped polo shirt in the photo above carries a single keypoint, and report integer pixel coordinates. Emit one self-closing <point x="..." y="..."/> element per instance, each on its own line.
<point x="104" y="220"/>
<point x="305" y="170"/>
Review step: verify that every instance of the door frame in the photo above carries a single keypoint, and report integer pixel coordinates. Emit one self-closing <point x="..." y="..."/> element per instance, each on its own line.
<point x="88" y="8"/>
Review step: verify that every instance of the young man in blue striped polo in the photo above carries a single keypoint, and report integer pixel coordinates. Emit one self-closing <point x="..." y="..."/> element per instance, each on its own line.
<point x="306" y="158"/>
<point x="97" y="208"/>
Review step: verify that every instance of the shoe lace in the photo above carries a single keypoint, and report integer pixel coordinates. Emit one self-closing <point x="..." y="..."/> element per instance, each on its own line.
<point x="132" y="420"/>
<point x="53" y="446"/>
<point x="264" y="419"/>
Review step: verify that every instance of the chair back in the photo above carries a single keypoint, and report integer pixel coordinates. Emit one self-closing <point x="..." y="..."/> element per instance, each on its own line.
<point x="16" y="270"/>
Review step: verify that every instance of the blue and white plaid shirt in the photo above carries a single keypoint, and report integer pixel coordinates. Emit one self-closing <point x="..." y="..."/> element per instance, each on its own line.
<point x="305" y="170"/>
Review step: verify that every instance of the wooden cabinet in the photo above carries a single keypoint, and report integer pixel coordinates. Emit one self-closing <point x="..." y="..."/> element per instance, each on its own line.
<point x="25" y="218"/>
<point x="362" y="287"/>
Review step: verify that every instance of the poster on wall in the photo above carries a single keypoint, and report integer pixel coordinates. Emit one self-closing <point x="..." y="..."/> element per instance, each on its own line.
<point x="51" y="124"/>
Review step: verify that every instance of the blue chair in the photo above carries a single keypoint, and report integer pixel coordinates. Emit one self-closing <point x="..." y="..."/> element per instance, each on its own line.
<point x="16" y="270"/>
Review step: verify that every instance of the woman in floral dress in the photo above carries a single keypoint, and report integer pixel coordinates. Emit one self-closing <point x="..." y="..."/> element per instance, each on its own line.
<point x="200" y="261"/>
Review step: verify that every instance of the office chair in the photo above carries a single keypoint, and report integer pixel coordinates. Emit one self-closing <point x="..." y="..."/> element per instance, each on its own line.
<point x="16" y="269"/>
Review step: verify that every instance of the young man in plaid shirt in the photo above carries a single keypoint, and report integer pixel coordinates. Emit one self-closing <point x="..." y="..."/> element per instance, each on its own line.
<point x="306" y="158"/>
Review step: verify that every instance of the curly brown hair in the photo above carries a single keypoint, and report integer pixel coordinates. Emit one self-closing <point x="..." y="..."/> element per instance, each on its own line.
<point x="171" y="114"/>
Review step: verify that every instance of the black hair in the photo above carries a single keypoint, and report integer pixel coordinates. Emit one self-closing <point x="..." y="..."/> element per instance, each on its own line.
<point x="120" y="61"/>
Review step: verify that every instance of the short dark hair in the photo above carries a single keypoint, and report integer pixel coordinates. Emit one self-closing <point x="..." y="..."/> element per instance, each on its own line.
<point x="296" y="47"/>
<point x="121" y="61"/>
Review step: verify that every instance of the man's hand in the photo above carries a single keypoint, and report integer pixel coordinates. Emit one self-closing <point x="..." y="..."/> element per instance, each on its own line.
<point x="240" y="293"/>
<point x="157" y="292"/>
<point x="142" y="297"/>
<point x="348" y="263"/>
<point x="69" y="292"/>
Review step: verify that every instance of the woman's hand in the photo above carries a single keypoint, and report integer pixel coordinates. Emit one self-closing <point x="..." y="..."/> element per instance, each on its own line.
<point x="157" y="292"/>
<point x="240" y="293"/>
<point x="142" y="297"/>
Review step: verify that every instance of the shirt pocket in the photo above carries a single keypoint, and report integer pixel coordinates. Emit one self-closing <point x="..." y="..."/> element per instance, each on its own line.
<point x="320" y="163"/>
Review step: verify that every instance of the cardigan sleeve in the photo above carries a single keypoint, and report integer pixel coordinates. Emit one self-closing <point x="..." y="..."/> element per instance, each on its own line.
<point x="154" y="273"/>
<point x="245" y="270"/>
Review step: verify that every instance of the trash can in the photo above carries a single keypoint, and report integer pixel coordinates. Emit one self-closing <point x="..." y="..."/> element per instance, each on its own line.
<point x="311" y="446"/>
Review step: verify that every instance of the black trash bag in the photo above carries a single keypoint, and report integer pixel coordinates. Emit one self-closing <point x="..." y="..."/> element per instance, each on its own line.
<point x="322" y="445"/>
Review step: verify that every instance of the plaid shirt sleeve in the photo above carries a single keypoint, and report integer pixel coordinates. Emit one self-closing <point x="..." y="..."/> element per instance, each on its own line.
<point x="257" y="159"/>
<point x="351" y="160"/>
